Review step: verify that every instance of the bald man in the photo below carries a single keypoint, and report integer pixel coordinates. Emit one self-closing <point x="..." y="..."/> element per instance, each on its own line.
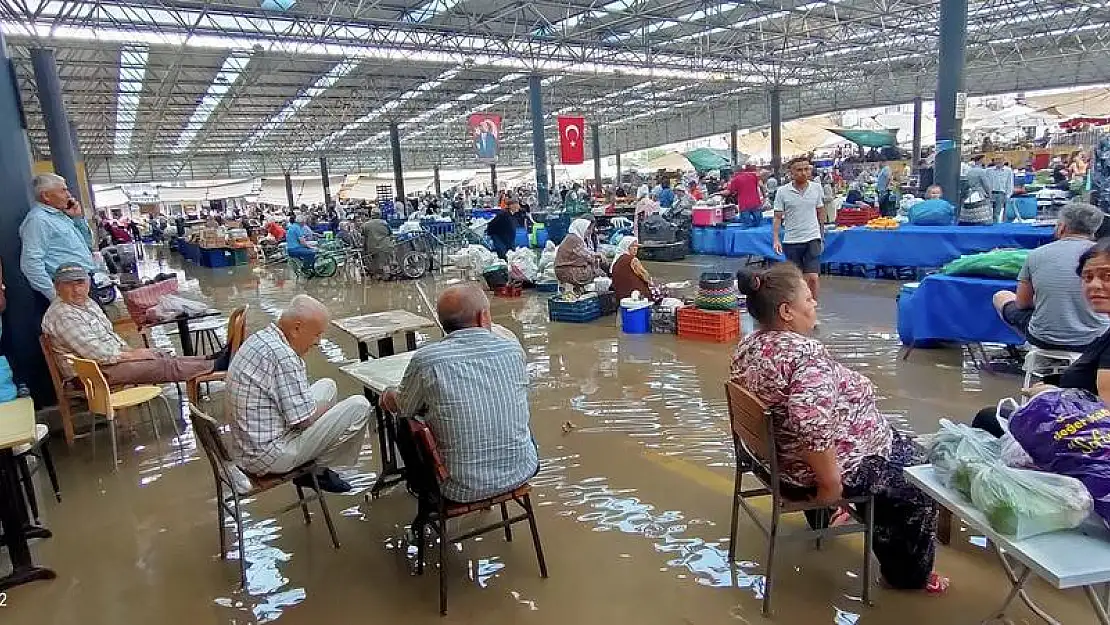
<point x="279" y="420"/>
<point x="471" y="388"/>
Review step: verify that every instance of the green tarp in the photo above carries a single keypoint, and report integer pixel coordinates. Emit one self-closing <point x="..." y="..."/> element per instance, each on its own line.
<point x="708" y="159"/>
<point x="869" y="138"/>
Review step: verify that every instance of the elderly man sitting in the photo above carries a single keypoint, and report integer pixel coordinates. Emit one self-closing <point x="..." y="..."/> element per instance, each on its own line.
<point x="76" y="325"/>
<point x="471" y="388"/>
<point x="1049" y="309"/>
<point x="278" y="420"/>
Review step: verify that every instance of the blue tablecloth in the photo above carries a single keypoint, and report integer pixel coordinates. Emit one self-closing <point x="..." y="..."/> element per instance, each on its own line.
<point x="907" y="246"/>
<point x="955" y="308"/>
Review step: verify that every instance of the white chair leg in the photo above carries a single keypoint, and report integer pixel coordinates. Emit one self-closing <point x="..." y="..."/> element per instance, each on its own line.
<point x="1031" y="363"/>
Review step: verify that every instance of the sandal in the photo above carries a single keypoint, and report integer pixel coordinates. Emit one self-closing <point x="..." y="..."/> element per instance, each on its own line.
<point x="937" y="584"/>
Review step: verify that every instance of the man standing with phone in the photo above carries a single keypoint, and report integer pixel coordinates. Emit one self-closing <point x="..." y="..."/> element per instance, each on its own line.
<point x="51" y="236"/>
<point x="797" y="204"/>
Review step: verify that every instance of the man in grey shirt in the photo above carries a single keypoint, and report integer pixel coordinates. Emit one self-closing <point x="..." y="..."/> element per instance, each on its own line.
<point x="797" y="205"/>
<point x="1049" y="309"/>
<point x="471" y="388"/>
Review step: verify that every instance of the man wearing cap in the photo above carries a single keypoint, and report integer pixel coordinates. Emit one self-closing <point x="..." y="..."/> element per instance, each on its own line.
<point x="77" y="326"/>
<point x="51" y="236"/>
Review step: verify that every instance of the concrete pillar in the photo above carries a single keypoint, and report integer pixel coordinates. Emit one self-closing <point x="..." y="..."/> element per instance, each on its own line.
<point x="324" y="180"/>
<point x="54" y="114"/>
<point x="776" y="133"/>
<point x="435" y="179"/>
<point x="733" y="146"/>
<point x="916" y="153"/>
<point x="398" y="172"/>
<point x="596" y="132"/>
<point x="23" y="318"/>
<point x="493" y="178"/>
<point x="551" y="164"/>
<point x="289" y="190"/>
<point x="539" y="147"/>
<point x="950" y="82"/>
<point x="618" y="181"/>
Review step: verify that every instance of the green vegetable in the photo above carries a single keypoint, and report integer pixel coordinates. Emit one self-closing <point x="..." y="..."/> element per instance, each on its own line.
<point x="961" y="479"/>
<point x="1003" y="517"/>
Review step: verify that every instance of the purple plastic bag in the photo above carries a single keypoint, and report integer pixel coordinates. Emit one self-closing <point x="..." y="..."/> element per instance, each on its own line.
<point x="1067" y="431"/>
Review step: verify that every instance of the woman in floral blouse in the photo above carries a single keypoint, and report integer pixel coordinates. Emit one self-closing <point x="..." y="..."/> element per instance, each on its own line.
<point x="832" y="441"/>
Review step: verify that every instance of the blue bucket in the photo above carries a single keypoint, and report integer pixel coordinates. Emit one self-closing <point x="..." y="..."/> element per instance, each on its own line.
<point x="636" y="320"/>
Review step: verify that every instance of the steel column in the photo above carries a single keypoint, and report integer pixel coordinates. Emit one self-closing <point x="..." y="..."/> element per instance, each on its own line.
<point x="776" y="133"/>
<point x="950" y="82"/>
<point x="289" y="190"/>
<point x="54" y="115"/>
<point x="915" y="163"/>
<point x="435" y="179"/>
<point x="325" y="181"/>
<point x="618" y="180"/>
<point x="398" y="172"/>
<point x="493" y="177"/>
<point x="596" y="132"/>
<point x="733" y="146"/>
<point x="539" y="147"/>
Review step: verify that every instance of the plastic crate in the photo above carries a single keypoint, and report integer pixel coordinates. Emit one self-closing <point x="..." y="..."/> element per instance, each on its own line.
<point x="663" y="320"/>
<point x="708" y="325"/>
<point x="662" y="251"/>
<point x="509" y="290"/>
<point x="581" y="311"/>
<point x="856" y="216"/>
<point x="608" y="303"/>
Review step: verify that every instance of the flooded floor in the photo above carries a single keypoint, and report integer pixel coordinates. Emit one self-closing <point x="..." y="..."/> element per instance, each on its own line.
<point x="633" y="498"/>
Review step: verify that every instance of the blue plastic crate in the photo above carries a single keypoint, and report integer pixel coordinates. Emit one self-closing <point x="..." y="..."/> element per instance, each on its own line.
<point x="581" y="311"/>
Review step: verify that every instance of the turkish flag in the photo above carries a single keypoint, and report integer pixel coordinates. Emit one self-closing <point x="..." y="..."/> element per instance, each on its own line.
<point x="572" y="140"/>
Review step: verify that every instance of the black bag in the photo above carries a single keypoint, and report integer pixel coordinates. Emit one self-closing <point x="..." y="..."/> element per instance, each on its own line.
<point x="420" y="477"/>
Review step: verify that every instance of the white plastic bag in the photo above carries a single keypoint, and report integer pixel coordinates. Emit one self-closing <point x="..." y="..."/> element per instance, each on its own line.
<point x="956" y="444"/>
<point x="171" y="306"/>
<point x="1014" y="455"/>
<point x="1022" y="503"/>
<point x="523" y="261"/>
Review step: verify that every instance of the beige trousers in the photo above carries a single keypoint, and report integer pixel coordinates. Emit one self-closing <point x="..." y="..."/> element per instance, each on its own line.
<point x="159" y="370"/>
<point x="332" y="440"/>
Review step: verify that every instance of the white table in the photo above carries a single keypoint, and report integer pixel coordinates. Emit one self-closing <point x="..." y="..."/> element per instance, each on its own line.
<point x="381" y="327"/>
<point x="376" y="376"/>
<point x="17" y="427"/>
<point x="1077" y="558"/>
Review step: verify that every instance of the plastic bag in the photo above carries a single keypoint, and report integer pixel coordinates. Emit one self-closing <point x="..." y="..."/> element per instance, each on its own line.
<point x="171" y="306"/>
<point x="1067" y="431"/>
<point x="936" y="212"/>
<point x="956" y="444"/>
<point x="522" y="262"/>
<point x="1014" y="455"/>
<point x="996" y="264"/>
<point x="1022" y="503"/>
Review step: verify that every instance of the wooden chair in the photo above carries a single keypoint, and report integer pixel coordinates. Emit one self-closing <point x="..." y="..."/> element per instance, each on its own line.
<point x="236" y="334"/>
<point x="229" y="500"/>
<point x="753" y="437"/>
<point x="104" y="402"/>
<point x="434" y="510"/>
<point x="64" y="391"/>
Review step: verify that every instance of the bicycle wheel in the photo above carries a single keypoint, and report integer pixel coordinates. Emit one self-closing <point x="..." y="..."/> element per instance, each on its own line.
<point x="414" y="265"/>
<point x="325" y="266"/>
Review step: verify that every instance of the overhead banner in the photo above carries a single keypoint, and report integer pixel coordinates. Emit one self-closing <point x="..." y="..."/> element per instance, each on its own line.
<point x="485" y="133"/>
<point x="572" y="140"/>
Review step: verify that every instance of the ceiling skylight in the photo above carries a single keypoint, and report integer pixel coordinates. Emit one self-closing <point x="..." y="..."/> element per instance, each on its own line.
<point x="132" y="69"/>
<point x="232" y="68"/>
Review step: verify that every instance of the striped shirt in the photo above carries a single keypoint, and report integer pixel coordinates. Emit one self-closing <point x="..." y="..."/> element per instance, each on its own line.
<point x="84" y="331"/>
<point x="1001" y="180"/>
<point x="267" y="394"/>
<point x="472" y="389"/>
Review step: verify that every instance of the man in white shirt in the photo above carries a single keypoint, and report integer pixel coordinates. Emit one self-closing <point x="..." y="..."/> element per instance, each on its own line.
<point x="797" y="204"/>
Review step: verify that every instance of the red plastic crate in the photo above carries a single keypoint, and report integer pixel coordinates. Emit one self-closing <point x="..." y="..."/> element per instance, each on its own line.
<point x="509" y="290"/>
<point x="856" y="216"/>
<point x="718" y="326"/>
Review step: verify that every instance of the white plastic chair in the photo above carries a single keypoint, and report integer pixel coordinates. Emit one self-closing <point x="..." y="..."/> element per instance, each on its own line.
<point x="1041" y="362"/>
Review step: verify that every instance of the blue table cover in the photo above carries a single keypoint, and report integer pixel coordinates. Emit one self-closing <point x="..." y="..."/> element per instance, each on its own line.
<point x="906" y="246"/>
<point x="956" y="308"/>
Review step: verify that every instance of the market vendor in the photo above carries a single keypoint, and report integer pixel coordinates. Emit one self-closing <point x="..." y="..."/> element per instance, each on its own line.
<point x="377" y="244"/>
<point x="575" y="263"/>
<point x="934" y="210"/>
<point x="299" y="244"/>
<point x="502" y="229"/>
<point x="1091" y="371"/>
<point x="832" y="441"/>
<point x="744" y="190"/>
<point x="628" y="272"/>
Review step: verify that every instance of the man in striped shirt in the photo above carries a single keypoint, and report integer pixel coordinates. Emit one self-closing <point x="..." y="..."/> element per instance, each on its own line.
<point x="471" y="388"/>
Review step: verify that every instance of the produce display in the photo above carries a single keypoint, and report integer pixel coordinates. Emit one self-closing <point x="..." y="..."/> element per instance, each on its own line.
<point x="882" y="223"/>
<point x="1023" y="503"/>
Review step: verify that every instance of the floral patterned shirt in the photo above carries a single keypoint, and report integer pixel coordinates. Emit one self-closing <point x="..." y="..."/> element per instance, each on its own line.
<point x="816" y="402"/>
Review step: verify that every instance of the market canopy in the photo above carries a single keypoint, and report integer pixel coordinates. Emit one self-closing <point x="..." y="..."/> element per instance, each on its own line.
<point x="869" y="138"/>
<point x="708" y="159"/>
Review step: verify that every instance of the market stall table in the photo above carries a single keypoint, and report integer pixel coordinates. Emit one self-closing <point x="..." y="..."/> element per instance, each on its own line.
<point x="381" y="327"/>
<point x="1078" y="558"/>
<point x="955" y="308"/>
<point x="17" y="427"/>
<point x="183" y="329"/>
<point x="376" y="376"/>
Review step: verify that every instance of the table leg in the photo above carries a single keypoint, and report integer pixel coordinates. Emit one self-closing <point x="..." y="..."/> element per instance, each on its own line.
<point x="410" y="341"/>
<point x="1018" y="590"/>
<point x="1099" y="605"/>
<point x="944" y="526"/>
<point x="385" y="347"/>
<point x="387" y="436"/>
<point x="187" y="348"/>
<point x="363" y="351"/>
<point x="13" y="517"/>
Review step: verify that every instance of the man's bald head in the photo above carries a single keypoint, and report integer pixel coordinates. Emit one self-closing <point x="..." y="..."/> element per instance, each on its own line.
<point x="463" y="306"/>
<point x="303" y="322"/>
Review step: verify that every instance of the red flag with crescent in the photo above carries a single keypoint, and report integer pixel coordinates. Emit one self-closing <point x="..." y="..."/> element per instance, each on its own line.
<point x="572" y="140"/>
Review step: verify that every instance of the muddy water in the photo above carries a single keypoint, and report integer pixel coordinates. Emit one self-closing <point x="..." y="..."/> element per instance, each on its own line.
<point x="632" y="497"/>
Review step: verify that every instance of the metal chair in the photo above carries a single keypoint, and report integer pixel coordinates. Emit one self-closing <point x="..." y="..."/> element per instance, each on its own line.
<point x="208" y="434"/>
<point x="434" y="510"/>
<point x="756" y="453"/>
<point x="104" y="402"/>
<point x="236" y="334"/>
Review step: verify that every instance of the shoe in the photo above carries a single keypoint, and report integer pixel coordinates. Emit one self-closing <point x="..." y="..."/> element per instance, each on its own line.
<point x="222" y="359"/>
<point x="329" y="481"/>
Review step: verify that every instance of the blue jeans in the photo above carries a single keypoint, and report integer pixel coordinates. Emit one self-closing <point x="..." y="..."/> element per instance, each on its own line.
<point x="751" y="219"/>
<point x="305" y="255"/>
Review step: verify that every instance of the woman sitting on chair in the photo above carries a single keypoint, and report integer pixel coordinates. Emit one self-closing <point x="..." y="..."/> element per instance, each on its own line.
<point x="831" y="439"/>
<point x="575" y="262"/>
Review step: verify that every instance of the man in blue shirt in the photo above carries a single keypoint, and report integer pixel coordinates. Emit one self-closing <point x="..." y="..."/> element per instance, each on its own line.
<point x="50" y="236"/>
<point x="298" y="243"/>
<point x="666" y="196"/>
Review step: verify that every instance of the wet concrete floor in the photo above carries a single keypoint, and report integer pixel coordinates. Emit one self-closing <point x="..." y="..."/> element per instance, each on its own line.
<point x="633" y="501"/>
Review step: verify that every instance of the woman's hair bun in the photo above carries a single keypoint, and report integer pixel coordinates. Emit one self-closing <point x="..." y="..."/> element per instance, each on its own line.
<point x="748" y="282"/>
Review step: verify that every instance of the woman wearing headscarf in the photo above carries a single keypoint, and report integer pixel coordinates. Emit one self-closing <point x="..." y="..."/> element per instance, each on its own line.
<point x="575" y="263"/>
<point x="628" y="272"/>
